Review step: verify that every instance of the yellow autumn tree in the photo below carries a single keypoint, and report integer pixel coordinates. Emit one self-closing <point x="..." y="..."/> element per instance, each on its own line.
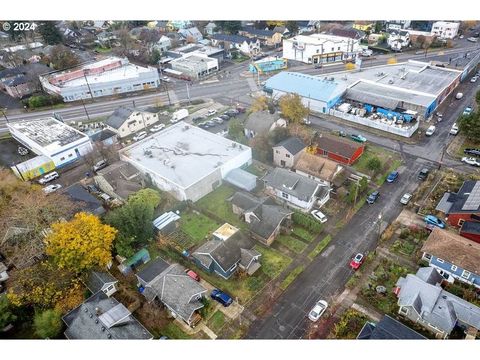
<point x="81" y="243"/>
<point x="259" y="104"/>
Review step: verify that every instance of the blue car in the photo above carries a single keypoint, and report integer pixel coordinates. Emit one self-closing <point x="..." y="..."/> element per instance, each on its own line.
<point x="433" y="220"/>
<point x="392" y="176"/>
<point x="373" y="197"/>
<point x="221" y="297"/>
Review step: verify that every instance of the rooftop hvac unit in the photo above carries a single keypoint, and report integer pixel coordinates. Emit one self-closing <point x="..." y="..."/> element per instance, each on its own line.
<point x="390" y="81"/>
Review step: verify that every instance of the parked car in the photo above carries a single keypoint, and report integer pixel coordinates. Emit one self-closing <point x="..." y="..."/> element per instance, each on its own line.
<point x="474" y="152"/>
<point x="141" y="135"/>
<point x="224" y="117"/>
<point x="474" y="79"/>
<point x="439" y="116"/>
<point x="392" y="176"/>
<point x="467" y="111"/>
<point x="197" y="119"/>
<point x="92" y="189"/>
<point x="51" y="188"/>
<point x="373" y="197"/>
<point x="166" y="79"/>
<point x="358" y="138"/>
<point x="318" y="215"/>
<point x="49" y="177"/>
<point x="318" y="310"/>
<point x="459" y="96"/>
<point x="454" y="129"/>
<point x="433" y="220"/>
<point x="221" y="297"/>
<point x="472" y="39"/>
<point x="306" y="121"/>
<point x="218" y="120"/>
<point x="431" y="130"/>
<point x="157" y="127"/>
<point x="423" y="174"/>
<point x="100" y="165"/>
<point x="357" y="261"/>
<point x="105" y="197"/>
<point x="406" y="198"/>
<point x="342" y="133"/>
<point x="192" y="274"/>
<point x="211" y="112"/>
<point x="240" y="109"/>
<point x="471" y="161"/>
<point x="232" y="112"/>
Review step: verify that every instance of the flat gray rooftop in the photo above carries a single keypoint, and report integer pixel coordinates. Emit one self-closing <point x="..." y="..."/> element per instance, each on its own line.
<point x="183" y="154"/>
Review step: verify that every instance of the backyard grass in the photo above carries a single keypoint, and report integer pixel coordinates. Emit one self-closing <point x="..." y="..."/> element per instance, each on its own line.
<point x="216" y="203"/>
<point x="101" y="49"/>
<point x="319" y="248"/>
<point x="292" y="243"/>
<point x="216" y="322"/>
<point x="386" y="158"/>
<point x="410" y="239"/>
<point x="292" y="276"/>
<point x="197" y="226"/>
<point x="273" y="262"/>
<point x="304" y="233"/>
<point x="174" y="332"/>
<point x="255" y="170"/>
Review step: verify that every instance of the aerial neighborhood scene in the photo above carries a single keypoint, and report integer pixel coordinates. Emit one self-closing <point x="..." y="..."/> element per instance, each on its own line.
<point x="227" y="179"/>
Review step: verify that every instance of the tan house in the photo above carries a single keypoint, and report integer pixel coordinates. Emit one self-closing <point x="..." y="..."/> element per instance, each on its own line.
<point x="126" y="121"/>
<point x="287" y="152"/>
<point x="266" y="37"/>
<point x="317" y="168"/>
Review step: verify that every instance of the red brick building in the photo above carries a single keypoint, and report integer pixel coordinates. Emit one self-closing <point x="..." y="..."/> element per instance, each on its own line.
<point x="462" y="206"/>
<point x="338" y="149"/>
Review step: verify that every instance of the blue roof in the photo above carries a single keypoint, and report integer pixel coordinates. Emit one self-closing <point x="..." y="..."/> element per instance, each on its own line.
<point x="305" y="85"/>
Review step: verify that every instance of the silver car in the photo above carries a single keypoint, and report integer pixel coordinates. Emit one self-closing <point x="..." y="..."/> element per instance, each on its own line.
<point x="405" y="198"/>
<point x="318" y="310"/>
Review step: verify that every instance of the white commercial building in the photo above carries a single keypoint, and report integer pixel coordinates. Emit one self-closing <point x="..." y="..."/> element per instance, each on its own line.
<point x="445" y="29"/>
<point x="185" y="160"/>
<point x="52" y="138"/>
<point x="320" y="48"/>
<point x="105" y="77"/>
<point x="195" y="65"/>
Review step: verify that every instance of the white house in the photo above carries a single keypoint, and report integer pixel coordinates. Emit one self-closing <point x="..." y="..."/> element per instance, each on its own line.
<point x="126" y="121"/>
<point x="261" y="123"/>
<point x="163" y="44"/>
<point x="320" y="48"/>
<point x="398" y="39"/>
<point x="195" y="65"/>
<point x="445" y="29"/>
<point x="247" y="46"/>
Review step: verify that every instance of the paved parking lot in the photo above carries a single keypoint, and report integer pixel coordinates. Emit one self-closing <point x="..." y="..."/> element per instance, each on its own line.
<point x="9" y="153"/>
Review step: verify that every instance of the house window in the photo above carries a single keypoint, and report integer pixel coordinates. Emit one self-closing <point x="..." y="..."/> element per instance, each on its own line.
<point x="440" y="260"/>
<point x="339" y="48"/>
<point x="427" y="256"/>
<point x="287" y="155"/>
<point x="277" y="151"/>
<point x="454" y="268"/>
<point x="460" y="222"/>
<point x="333" y="49"/>
<point x="403" y="311"/>
<point x="284" y="195"/>
<point x="62" y="158"/>
<point x="466" y="274"/>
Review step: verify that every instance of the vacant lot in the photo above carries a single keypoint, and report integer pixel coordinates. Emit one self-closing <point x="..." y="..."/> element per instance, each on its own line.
<point x="273" y="262"/>
<point x="197" y="226"/>
<point x="388" y="159"/>
<point x="292" y="243"/>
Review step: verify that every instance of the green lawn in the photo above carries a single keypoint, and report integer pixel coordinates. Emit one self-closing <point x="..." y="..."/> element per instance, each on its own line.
<point x="319" y="248"/>
<point x="304" y="233"/>
<point x="292" y="243"/>
<point x="197" y="226"/>
<point x="255" y="170"/>
<point x="174" y="332"/>
<point x="396" y="164"/>
<point x="101" y="49"/>
<point x="216" y="322"/>
<point x="273" y="262"/>
<point x="467" y="144"/>
<point x="216" y="202"/>
<point x="292" y="276"/>
<point x="386" y="157"/>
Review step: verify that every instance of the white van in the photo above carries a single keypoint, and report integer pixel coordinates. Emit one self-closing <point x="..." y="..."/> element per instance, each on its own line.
<point x="179" y="115"/>
<point x="141" y="135"/>
<point x="459" y="96"/>
<point x="49" y="177"/>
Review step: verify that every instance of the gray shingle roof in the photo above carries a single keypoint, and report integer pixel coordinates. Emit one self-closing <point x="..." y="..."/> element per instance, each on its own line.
<point x="291" y="183"/>
<point x="261" y="121"/>
<point x="292" y="144"/>
<point x="388" y="329"/>
<point x="97" y="279"/>
<point x="236" y="39"/>
<point x="245" y="201"/>
<point x="119" y="116"/>
<point x="85" y="321"/>
<point x="87" y="201"/>
<point x="152" y="269"/>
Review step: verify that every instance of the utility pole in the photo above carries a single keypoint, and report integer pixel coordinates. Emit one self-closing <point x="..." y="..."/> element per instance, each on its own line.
<point x="5" y="114"/>
<point x="88" y="85"/>
<point x="188" y="92"/>
<point x="379" y="226"/>
<point x="168" y="94"/>
<point x="85" y="108"/>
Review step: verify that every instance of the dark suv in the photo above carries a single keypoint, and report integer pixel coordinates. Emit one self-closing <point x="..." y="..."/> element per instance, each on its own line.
<point x="221" y="297"/>
<point x="423" y="175"/>
<point x="474" y="152"/>
<point x="373" y="197"/>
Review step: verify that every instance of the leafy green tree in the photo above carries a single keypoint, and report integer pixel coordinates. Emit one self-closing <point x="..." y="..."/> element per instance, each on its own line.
<point x="134" y="220"/>
<point x="230" y="27"/>
<point x="51" y="35"/>
<point x="292" y="108"/>
<point x="292" y="26"/>
<point x="374" y="164"/>
<point x="356" y="190"/>
<point x="470" y="126"/>
<point x="477" y="98"/>
<point x="48" y="324"/>
<point x="236" y="130"/>
<point x="278" y="134"/>
<point x="378" y="26"/>
<point x="155" y="57"/>
<point x="261" y="148"/>
<point x="6" y="315"/>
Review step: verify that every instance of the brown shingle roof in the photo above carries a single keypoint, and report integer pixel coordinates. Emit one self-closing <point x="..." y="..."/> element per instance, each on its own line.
<point x="337" y="145"/>
<point x="318" y="166"/>
<point x="453" y="248"/>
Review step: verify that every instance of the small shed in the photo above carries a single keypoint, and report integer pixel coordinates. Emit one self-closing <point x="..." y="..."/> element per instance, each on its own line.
<point x="242" y="179"/>
<point x="139" y="258"/>
<point x="166" y="223"/>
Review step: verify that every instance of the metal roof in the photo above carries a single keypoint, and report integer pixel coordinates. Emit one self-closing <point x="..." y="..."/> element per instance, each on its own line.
<point x="165" y="219"/>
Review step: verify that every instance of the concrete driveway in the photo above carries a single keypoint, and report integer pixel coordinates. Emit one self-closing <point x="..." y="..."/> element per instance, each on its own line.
<point x="232" y="311"/>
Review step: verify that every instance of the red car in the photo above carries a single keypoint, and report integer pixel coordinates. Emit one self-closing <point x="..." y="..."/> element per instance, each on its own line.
<point x="192" y="274"/>
<point x="357" y="261"/>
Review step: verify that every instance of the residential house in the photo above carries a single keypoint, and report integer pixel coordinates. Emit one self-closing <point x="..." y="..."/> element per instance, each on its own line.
<point x="126" y="121"/>
<point x="119" y="180"/>
<point x="264" y="217"/>
<point x="295" y="190"/>
<point x="338" y="149"/>
<point x="471" y="230"/>
<point x="210" y="28"/>
<point x="287" y="152"/>
<point x="191" y="35"/>
<point x="305" y="26"/>
<point x="226" y="252"/>
<point x="464" y="205"/>
<point x="388" y="329"/>
<point x="170" y="285"/>
<point x="455" y="257"/>
<point x="318" y="168"/>
<point x="348" y="33"/>
<point x="84" y="200"/>
<point x="163" y="44"/>
<point x="397" y="24"/>
<point x="106" y="39"/>
<point x="174" y="25"/>
<point x="398" y="39"/>
<point x="261" y="123"/>
<point x="422" y="300"/>
<point x="266" y="37"/>
<point x="22" y="80"/>
<point x="445" y="29"/>
<point x="102" y="318"/>
<point x="101" y="281"/>
<point x="106" y="137"/>
<point x="282" y="30"/>
<point x="247" y="46"/>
